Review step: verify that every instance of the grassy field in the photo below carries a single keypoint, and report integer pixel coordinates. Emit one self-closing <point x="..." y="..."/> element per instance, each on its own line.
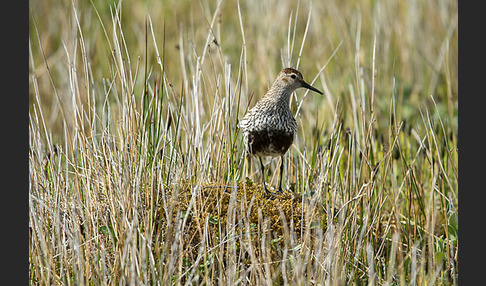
<point x="138" y="175"/>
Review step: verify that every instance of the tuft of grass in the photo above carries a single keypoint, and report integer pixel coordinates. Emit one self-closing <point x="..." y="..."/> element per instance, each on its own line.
<point x="137" y="173"/>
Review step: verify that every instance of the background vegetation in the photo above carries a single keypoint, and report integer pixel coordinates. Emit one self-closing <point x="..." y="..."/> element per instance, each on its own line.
<point x="137" y="173"/>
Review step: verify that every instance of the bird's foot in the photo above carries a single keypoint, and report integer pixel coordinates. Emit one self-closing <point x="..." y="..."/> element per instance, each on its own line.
<point x="273" y="195"/>
<point x="269" y="194"/>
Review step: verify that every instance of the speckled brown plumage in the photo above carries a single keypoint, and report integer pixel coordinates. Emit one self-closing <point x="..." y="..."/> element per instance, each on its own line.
<point x="269" y="127"/>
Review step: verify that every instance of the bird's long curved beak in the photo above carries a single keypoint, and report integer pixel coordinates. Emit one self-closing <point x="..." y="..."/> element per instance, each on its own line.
<point x="308" y="86"/>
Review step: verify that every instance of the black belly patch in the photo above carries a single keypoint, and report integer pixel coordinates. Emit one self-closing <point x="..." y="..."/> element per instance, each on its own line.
<point x="269" y="142"/>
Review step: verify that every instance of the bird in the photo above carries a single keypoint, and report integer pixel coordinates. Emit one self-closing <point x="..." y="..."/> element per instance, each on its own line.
<point x="269" y="127"/>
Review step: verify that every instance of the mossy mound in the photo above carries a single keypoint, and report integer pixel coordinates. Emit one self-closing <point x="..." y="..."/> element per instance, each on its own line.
<point x="214" y="214"/>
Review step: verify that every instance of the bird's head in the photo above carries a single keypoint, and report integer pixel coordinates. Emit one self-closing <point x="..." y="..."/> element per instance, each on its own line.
<point x="291" y="79"/>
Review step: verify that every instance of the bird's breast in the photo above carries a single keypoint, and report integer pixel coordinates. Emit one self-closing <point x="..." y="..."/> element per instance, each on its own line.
<point x="269" y="142"/>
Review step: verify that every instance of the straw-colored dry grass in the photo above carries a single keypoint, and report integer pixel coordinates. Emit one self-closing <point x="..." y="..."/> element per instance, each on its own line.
<point x="137" y="173"/>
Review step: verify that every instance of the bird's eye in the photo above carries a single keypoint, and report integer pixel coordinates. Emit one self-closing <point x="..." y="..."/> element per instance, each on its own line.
<point x="293" y="76"/>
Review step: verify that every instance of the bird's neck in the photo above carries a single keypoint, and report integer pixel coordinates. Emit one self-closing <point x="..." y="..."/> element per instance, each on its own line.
<point x="280" y="95"/>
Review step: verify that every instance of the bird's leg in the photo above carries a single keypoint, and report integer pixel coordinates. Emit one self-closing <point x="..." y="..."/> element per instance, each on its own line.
<point x="263" y="177"/>
<point x="281" y="174"/>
